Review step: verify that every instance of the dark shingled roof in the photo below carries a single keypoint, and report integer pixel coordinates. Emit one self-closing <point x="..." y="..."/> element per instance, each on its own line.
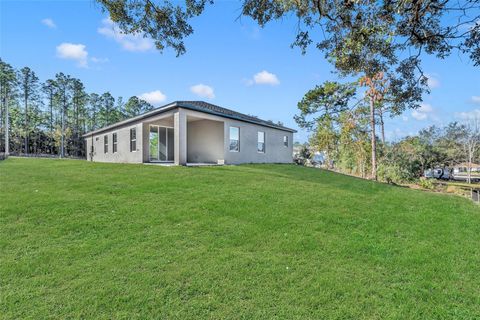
<point x="200" y="106"/>
<point x="214" y="109"/>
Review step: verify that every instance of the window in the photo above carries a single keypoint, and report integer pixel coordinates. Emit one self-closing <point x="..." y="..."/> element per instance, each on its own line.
<point x="105" y="144"/>
<point x="285" y="141"/>
<point x="234" y="139"/>
<point x="133" y="139"/>
<point x="261" y="142"/>
<point x="114" y="142"/>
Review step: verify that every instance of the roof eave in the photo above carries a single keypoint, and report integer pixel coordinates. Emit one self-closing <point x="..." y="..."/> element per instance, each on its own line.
<point x="176" y="104"/>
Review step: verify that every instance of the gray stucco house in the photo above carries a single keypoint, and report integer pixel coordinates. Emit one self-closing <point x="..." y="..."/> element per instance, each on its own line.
<point x="189" y="132"/>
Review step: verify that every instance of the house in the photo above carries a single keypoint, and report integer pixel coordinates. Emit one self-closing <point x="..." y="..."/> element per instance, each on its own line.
<point x="191" y="132"/>
<point x="460" y="172"/>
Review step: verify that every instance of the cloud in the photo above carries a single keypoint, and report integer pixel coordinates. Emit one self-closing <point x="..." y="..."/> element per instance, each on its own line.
<point x="99" y="60"/>
<point x="72" y="51"/>
<point x="154" y="97"/>
<point x="468" y="115"/>
<point x="476" y="99"/>
<point x="432" y="81"/>
<point x="263" y="77"/>
<point x="129" y="42"/>
<point x="203" y="91"/>
<point x="423" y="112"/>
<point x="49" y="23"/>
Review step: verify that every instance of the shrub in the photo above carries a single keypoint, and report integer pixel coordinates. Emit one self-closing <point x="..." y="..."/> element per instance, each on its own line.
<point x="426" y="184"/>
<point x="393" y="173"/>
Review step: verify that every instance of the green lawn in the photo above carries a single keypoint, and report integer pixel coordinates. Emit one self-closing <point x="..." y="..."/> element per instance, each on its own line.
<point x="112" y="241"/>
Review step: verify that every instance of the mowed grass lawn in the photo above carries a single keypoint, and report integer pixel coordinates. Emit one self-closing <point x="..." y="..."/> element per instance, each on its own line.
<point x="116" y="241"/>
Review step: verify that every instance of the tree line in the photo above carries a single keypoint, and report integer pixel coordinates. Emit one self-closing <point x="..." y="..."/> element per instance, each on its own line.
<point x="50" y="117"/>
<point x="338" y="117"/>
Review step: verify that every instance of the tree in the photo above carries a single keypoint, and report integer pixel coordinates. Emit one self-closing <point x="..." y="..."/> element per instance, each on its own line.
<point x="320" y="110"/>
<point x="79" y="102"/>
<point x="50" y="90"/>
<point x="431" y="26"/>
<point x="450" y="143"/>
<point x="107" y="110"/>
<point x="7" y="90"/>
<point x="136" y="106"/>
<point x="470" y="142"/>
<point x="63" y="83"/>
<point x="95" y="103"/>
<point x="28" y="87"/>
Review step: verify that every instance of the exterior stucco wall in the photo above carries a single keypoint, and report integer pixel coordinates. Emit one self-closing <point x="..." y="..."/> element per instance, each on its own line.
<point x="205" y="141"/>
<point x="123" y="153"/>
<point x="275" y="151"/>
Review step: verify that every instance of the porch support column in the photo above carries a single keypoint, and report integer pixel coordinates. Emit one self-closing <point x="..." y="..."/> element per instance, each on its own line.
<point x="180" y="137"/>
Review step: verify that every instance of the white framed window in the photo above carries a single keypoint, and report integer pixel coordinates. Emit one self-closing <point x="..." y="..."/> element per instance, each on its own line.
<point x="105" y="144"/>
<point x="133" y="139"/>
<point x="234" y="139"/>
<point x="261" y="142"/>
<point x="285" y="141"/>
<point x="114" y="142"/>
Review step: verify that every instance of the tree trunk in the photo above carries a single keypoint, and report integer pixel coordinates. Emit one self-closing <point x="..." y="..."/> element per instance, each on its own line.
<point x="373" y="138"/>
<point x="26" y="121"/>
<point x="7" y="124"/>
<point x="51" y="123"/>
<point x="382" y="126"/>
<point x="62" y="141"/>
<point x="469" y="168"/>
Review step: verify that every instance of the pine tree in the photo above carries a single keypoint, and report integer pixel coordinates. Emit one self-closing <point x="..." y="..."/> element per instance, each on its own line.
<point x="28" y="85"/>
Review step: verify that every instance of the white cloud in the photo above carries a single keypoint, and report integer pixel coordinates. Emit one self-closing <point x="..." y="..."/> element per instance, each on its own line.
<point x="203" y="91"/>
<point x="263" y="77"/>
<point x="423" y="112"/>
<point x="129" y="42"/>
<point x="476" y="99"/>
<point x="432" y="81"/>
<point x="468" y="115"/>
<point x="154" y="97"/>
<point x="72" y="51"/>
<point x="49" y="23"/>
<point x="405" y="118"/>
<point x="99" y="60"/>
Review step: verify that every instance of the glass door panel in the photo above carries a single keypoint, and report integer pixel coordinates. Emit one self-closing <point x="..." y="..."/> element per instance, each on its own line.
<point x="162" y="143"/>
<point x="153" y="143"/>
<point x="170" y="144"/>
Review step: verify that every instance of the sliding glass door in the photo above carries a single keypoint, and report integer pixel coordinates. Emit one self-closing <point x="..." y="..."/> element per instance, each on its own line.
<point x="161" y="143"/>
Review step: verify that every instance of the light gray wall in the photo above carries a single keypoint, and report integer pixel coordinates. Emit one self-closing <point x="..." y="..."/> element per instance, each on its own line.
<point x="275" y="151"/>
<point x="123" y="153"/>
<point x="208" y="129"/>
<point x="205" y="141"/>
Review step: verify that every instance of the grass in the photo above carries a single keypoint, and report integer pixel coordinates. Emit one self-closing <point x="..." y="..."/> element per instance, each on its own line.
<point x="112" y="241"/>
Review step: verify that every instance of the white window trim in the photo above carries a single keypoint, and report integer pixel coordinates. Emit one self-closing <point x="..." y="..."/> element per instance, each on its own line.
<point x="114" y="142"/>
<point x="264" y="142"/>
<point x="285" y="145"/>
<point x="229" y="139"/>
<point x="105" y="143"/>
<point x="130" y="139"/>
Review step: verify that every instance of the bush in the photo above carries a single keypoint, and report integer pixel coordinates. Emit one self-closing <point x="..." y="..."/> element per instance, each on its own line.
<point x="393" y="173"/>
<point x="426" y="184"/>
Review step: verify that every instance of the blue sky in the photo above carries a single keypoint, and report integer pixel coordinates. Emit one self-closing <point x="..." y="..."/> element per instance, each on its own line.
<point x="229" y="62"/>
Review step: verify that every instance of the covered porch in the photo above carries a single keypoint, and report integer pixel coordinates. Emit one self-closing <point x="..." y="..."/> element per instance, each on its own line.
<point x="183" y="137"/>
